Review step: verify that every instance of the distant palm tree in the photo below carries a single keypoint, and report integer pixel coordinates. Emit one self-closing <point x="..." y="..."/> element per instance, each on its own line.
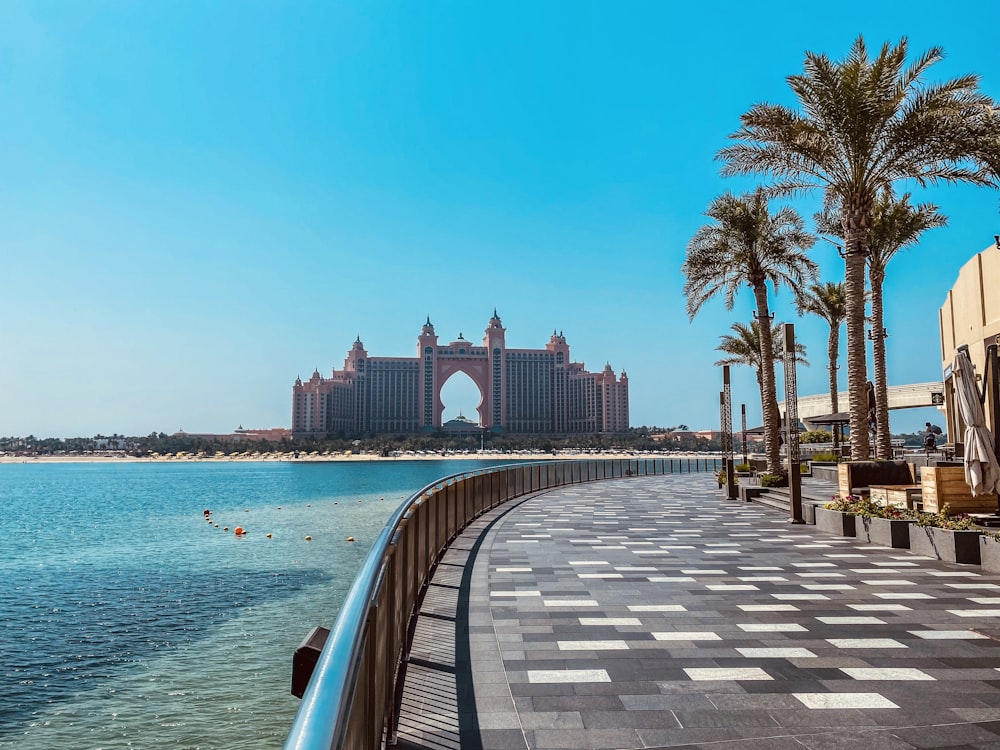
<point x="863" y="124"/>
<point x="743" y="348"/>
<point x="828" y="301"/>
<point x="748" y="245"/>
<point x="896" y="224"/>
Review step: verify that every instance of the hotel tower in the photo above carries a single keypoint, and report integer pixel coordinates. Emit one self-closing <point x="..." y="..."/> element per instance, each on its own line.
<point x="523" y="391"/>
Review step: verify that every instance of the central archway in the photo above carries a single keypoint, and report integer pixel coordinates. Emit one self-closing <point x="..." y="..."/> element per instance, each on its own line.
<point x="475" y="380"/>
<point x="461" y="396"/>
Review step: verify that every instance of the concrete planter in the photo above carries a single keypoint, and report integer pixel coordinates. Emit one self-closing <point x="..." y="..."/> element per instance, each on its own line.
<point x="989" y="554"/>
<point x="945" y="544"/>
<point x="747" y="494"/>
<point x="885" y="532"/>
<point x="835" y="522"/>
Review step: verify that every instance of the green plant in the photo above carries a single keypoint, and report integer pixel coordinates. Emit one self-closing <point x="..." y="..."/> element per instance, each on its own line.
<point x="866" y="508"/>
<point x="743" y="467"/>
<point x="824" y="456"/>
<point x="943" y="519"/>
<point x="816" y="436"/>
<point x="773" y="480"/>
<point x="721" y="477"/>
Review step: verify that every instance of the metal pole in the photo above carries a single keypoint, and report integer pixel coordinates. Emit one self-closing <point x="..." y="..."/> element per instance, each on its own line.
<point x="792" y="425"/>
<point x="743" y="417"/>
<point x="727" y="434"/>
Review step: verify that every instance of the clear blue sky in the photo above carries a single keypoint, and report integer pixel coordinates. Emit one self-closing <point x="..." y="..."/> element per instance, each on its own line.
<point x="200" y="201"/>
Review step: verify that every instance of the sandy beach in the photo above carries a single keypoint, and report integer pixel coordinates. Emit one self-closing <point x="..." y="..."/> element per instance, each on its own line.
<point x="111" y="457"/>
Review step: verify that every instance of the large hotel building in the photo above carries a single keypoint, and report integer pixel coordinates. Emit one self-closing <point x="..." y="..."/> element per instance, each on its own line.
<point x="524" y="391"/>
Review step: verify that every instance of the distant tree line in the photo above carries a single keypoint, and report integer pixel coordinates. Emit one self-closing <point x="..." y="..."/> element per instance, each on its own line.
<point x="635" y="439"/>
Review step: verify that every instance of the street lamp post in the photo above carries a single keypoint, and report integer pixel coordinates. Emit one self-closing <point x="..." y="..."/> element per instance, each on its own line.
<point x="792" y="424"/>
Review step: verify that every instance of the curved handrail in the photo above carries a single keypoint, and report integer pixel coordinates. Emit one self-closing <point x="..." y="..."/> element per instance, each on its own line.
<point x="326" y="718"/>
<point x="338" y="663"/>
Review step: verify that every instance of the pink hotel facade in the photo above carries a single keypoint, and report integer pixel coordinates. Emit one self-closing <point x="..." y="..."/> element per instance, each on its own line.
<point x="523" y="391"/>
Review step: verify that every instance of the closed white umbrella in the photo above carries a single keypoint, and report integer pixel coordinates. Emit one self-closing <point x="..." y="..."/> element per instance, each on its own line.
<point x="982" y="473"/>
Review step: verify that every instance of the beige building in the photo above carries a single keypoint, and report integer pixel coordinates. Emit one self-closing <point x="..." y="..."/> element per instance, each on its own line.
<point x="970" y="316"/>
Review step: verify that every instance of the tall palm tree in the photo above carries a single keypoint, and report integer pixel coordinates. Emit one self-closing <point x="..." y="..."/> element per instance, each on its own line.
<point x="828" y="301"/>
<point x="896" y="224"/>
<point x="748" y="245"/>
<point x="743" y="348"/>
<point x="864" y="124"/>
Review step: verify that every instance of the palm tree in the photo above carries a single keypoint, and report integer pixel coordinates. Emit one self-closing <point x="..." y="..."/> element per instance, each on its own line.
<point x="747" y="244"/>
<point x="864" y="125"/>
<point x="828" y="302"/>
<point x="744" y="348"/>
<point x="896" y="224"/>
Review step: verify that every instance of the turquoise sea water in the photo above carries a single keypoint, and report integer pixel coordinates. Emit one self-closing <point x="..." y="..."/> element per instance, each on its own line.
<point x="128" y="621"/>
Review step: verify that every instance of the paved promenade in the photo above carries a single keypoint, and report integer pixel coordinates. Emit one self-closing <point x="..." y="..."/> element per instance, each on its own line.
<point x="644" y="613"/>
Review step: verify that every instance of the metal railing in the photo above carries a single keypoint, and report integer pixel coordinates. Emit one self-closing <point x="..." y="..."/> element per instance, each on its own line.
<point x="350" y="698"/>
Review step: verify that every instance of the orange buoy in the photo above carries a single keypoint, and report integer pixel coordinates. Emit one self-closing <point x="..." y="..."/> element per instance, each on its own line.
<point x="208" y="512"/>
<point x="239" y="530"/>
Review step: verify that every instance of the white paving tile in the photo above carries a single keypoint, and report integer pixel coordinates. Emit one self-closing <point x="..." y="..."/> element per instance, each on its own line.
<point x="844" y="700"/>
<point x="732" y="587"/>
<point x="851" y="620"/>
<point x="890" y="582"/>
<point x="592" y="645"/>
<point x="902" y="595"/>
<point x="880" y="607"/>
<point x="702" y="674"/>
<point x="775" y="653"/>
<point x="686" y="635"/>
<point x="670" y="579"/>
<point x="888" y="673"/>
<point x="570" y="602"/>
<point x="539" y="676"/>
<point x="828" y="587"/>
<point x="975" y="612"/>
<point x="972" y="586"/>
<point x="768" y="607"/>
<point x="515" y="593"/>
<point x="800" y="597"/>
<point x="610" y="621"/>
<point x="657" y="608"/>
<point x="513" y="570"/>
<point x="703" y="572"/>
<point x="865" y="643"/>
<point x="771" y="627"/>
<point x="947" y="635"/>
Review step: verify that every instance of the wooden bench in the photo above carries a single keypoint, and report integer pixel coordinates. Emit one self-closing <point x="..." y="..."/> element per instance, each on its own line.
<point x="896" y="495"/>
<point x="856" y="477"/>
<point x="945" y="485"/>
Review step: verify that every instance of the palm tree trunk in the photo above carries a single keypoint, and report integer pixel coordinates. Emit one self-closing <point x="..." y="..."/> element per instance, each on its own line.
<point x="857" y="214"/>
<point x="833" y="354"/>
<point x="772" y="422"/>
<point x="883" y="438"/>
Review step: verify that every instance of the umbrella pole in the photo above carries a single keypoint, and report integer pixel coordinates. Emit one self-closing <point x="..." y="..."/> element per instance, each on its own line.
<point x="992" y="378"/>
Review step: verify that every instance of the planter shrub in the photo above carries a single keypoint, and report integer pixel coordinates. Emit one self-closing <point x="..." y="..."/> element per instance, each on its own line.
<point x="835" y="522"/>
<point x="885" y="532"/>
<point x="989" y="552"/>
<point x="949" y="545"/>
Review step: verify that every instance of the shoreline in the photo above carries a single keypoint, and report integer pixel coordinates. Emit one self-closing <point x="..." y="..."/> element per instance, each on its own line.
<point x="357" y="457"/>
